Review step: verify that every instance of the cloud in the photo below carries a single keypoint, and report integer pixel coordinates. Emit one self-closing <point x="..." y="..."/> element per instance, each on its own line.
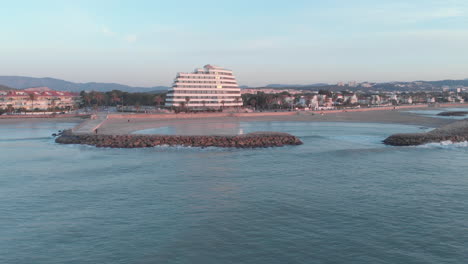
<point x="163" y="28"/>
<point x="447" y="34"/>
<point x="131" y="38"/>
<point x="394" y="12"/>
<point x="107" y="32"/>
<point x="435" y="14"/>
<point x="447" y="13"/>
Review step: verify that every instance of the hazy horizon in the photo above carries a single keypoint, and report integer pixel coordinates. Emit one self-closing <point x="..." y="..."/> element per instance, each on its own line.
<point x="145" y="43"/>
<point x="240" y="84"/>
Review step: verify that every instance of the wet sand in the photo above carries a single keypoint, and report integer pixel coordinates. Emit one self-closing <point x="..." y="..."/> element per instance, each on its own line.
<point x="41" y="120"/>
<point x="123" y="126"/>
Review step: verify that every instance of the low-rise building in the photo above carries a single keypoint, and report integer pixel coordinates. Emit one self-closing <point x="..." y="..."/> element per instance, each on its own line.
<point x="41" y="98"/>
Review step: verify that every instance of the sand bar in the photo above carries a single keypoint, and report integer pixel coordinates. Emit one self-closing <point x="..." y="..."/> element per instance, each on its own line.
<point x="117" y="123"/>
<point x="129" y="124"/>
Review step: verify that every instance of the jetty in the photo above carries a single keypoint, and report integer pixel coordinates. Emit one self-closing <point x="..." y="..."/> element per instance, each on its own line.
<point x="252" y="140"/>
<point x="453" y="113"/>
<point x="91" y="125"/>
<point x="454" y="132"/>
<point x="87" y="133"/>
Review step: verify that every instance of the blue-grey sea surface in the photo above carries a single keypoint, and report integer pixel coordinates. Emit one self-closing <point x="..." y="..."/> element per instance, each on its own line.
<point x="341" y="197"/>
<point x="435" y="112"/>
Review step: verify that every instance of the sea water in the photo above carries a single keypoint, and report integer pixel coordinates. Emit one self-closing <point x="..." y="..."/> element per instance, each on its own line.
<point x="434" y="112"/>
<point x="341" y="197"/>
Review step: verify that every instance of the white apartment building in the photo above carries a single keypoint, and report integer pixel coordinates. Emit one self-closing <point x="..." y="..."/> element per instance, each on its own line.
<point x="207" y="87"/>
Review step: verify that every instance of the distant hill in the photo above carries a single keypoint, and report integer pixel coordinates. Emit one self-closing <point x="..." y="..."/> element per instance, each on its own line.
<point x="5" y="88"/>
<point x="449" y="82"/>
<point x="386" y="86"/>
<point x="20" y="82"/>
<point x="295" y="85"/>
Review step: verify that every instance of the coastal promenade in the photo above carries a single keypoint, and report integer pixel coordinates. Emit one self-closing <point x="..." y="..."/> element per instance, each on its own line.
<point x="90" y="125"/>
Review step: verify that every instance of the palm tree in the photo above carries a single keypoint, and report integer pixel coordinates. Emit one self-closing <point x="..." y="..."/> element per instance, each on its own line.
<point x="87" y="97"/>
<point x="253" y="103"/>
<point x="269" y="101"/>
<point x="53" y="103"/>
<point x="32" y="97"/>
<point x="137" y="107"/>
<point x="222" y="103"/>
<point x="115" y="98"/>
<point x="309" y="100"/>
<point x="181" y="105"/>
<point x="283" y="100"/>
<point x="187" y="100"/>
<point x="10" y="108"/>
<point x="99" y="97"/>
<point x="237" y="99"/>
<point x="158" y="100"/>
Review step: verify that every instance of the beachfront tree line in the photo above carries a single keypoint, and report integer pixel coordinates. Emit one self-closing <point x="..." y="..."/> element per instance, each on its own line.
<point x="277" y="101"/>
<point x="119" y="98"/>
<point x="264" y="101"/>
<point x="280" y="101"/>
<point x="258" y="101"/>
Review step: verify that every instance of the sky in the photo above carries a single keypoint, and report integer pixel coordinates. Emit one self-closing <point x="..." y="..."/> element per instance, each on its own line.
<point x="145" y="43"/>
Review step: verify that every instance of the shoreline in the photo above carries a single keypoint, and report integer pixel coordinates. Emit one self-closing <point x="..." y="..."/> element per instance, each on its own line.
<point x="129" y="125"/>
<point x="17" y="120"/>
<point x="125" y="124"/>
<point x="220" y="130"/>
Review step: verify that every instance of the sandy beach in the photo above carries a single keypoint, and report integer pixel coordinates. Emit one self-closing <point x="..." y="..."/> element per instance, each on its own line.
<point x="126" y="124"/>
<point x="129" y="125"/>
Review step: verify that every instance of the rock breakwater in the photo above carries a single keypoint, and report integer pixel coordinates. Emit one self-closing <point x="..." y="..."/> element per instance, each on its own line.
<point x="454" y="132"/>
<point x="252" y="140"/>
<point x="453" y="113"/>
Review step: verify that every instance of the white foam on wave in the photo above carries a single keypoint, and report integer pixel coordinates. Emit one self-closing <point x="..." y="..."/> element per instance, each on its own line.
<point x="448" y="144"/>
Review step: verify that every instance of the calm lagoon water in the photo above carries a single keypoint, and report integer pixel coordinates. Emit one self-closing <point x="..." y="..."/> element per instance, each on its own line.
<point x="434" y="112"/>
<point x="342" y="197"/>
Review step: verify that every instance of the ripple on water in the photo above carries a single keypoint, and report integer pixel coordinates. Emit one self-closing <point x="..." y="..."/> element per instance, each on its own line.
<point x="342" y="197"/>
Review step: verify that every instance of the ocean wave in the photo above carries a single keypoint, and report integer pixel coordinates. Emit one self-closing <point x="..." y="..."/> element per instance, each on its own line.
<point x="312" y="137"/>
<point x="158" y="148"/>
<point x="448" y="144"/>
<point x="24" y="139"/>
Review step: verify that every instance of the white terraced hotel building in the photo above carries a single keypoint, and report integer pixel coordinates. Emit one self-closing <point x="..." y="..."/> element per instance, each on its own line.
<point x="209" y="87"/>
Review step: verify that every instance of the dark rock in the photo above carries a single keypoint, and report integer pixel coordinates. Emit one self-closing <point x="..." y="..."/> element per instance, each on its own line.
<point x="253" y="140"/>
<point x="453" y="113"/>
<point x="455" y="132"/>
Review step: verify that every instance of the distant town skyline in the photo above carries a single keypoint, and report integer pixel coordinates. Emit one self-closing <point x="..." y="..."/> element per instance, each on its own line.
<point x="144" y="43"/>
